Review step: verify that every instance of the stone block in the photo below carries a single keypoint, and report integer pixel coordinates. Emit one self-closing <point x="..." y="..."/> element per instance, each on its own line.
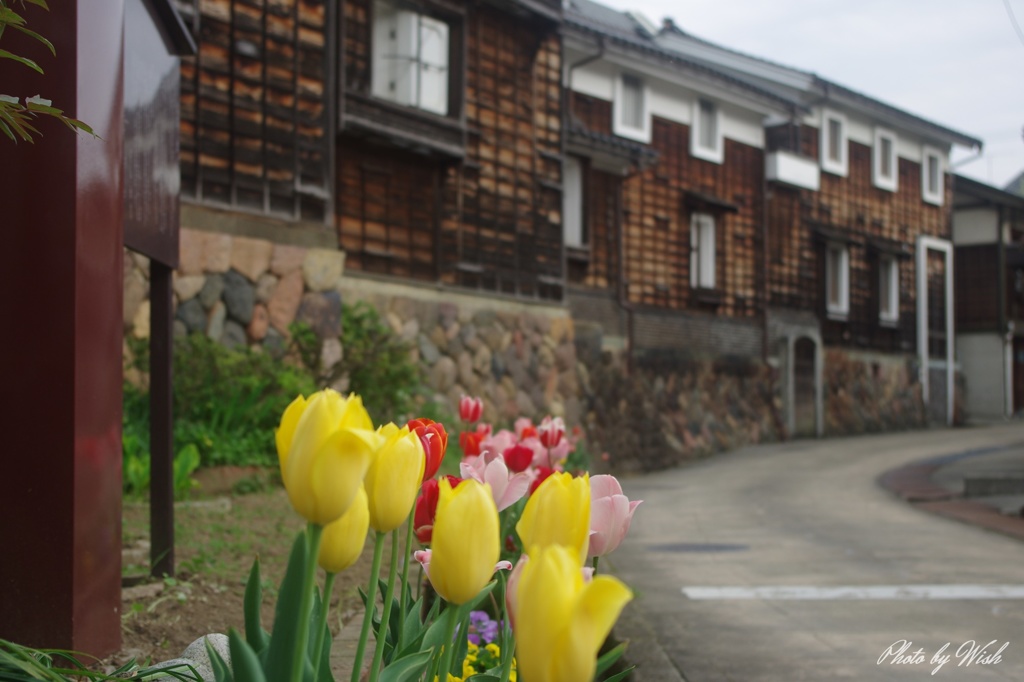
<point x="190" y="252"/>
<point x="442" y="375"/>
<point x="284" y="303"/>
<point x="265" y="287"/>
<point x="140" y="323"/>
<point x="251" y="257"/>
<point x="192" y="315"/>
<point x="322" y="312"/>
<point x="331" y="354"/>
<point x="234" y="335"/>
<point x="259" y="324"/>
<point x="428" y="349"/>
<point x="482" y="360"/>
<point x="216" y="252"/>
<point x="322" y="268"/>
<point x="286" y="259"/>
<point x="187" y="286"/>
<point x="447" y="314"/>
<point x="465" y="365"/>
<point x="136" y="290"/>
<point x="239" y="297"/>
<point x="212" y="290"/>
<point x="215" y="320"/>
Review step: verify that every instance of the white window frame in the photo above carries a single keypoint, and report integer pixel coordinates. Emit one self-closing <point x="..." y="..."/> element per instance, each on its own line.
<point x="841" y="166"/>
<point x="878" y="158"/>
<point x="643" y="133"/>
<point x="889" y="269"/>
<point x="840" y="308"/>
<point x="702" y="251"/>
<point x="399" y="67"/>
<point x="926" y="192"/>
<point x="715" y="153"/>
<point x="573" y="230"/>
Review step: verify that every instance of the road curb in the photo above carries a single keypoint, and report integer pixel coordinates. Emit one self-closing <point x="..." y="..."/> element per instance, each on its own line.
<point x="913" y="483"/>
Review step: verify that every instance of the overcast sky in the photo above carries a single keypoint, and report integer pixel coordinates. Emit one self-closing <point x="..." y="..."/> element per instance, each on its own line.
<point x="959" y="63"/>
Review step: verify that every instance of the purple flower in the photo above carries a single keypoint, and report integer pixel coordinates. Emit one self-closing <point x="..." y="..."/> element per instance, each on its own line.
<point x="481" y="627"/>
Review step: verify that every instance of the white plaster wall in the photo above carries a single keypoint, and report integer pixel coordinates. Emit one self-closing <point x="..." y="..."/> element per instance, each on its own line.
<point x="862" y="130"/>
<point x="982" y="361"/>
<point x="975" y="226"/>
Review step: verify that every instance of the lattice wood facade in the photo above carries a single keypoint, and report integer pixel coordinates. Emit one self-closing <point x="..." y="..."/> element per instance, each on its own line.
<point x="256" y="103"/>
<point x="872" y="222"/>
<point x="486" y="179"/>
<point x="657" y="205"/>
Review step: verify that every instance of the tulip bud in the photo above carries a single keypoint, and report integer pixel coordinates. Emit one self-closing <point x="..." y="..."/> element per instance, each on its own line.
<point x="394" y="478"/>
<point x="470" y="441"/>
<point x="324" y="446"/>
<point x="466" y="543"/>
<point x="518" y="458"/>
<point x="560" y="620"/>
<point x="558" y="513"/>
<point x="551" y="431"/>
<point x="610" y="514"/>
<point x="434" y="440"/>
<point x="343" y="540"/>
<point x="426" y="508"/>
<point x="470" y="409"/>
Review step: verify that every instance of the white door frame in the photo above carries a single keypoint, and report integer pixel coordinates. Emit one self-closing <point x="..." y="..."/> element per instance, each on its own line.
<point x="924" y="244"/>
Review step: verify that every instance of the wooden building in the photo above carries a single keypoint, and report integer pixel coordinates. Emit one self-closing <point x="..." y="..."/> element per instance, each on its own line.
<point x="664" y="190"/>
<point x="858" y="253"/>
<point x="988" y="238"/>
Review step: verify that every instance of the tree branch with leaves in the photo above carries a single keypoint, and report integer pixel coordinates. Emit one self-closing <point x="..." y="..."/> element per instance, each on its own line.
<point x="18" y="115"/>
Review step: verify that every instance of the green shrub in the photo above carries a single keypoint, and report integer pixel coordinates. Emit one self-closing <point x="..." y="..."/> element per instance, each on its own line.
<point x="227" y="402"/>
<point x="377" y="363"/>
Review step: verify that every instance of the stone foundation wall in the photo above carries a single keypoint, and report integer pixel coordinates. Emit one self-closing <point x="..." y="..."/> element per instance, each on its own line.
<point x="868" y="392"/>
<point x="240" y="291"/>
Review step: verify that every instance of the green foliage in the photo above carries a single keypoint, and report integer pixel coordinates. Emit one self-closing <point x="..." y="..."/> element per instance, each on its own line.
<point x="377" y="363"/>
<point x="19" y="663"/>
<point x="16" y="118"/>
<point x="227" y="403"/>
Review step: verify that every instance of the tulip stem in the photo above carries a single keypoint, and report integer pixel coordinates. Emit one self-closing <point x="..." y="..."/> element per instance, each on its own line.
<point x="508" y="643"/>
<point x="371" y="605"/>
<point x="385" y="618"/>
<point x="452" y="613"/>
<point x="595" y="565"/>
<point x="313" y="533"/>
<point x="403" y="607"/>
<point x="325" y="606"/>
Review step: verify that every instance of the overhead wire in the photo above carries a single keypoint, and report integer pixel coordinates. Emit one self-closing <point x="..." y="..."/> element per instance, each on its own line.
<point x="1013" y="20"/>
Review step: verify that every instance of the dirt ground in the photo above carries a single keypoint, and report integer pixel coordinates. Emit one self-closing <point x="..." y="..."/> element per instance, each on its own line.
<point x="217" y="539"/>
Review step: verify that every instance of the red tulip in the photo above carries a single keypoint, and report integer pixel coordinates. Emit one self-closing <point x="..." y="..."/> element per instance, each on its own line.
<point x="469" y="441"/>
<point x="426" y="508"/>
<point x="435" y="443"/>
<point x="470" y="409"/>
<point x="518" y="458"/>
<point x="551" y="431"/>
<point x="542" y="474"/>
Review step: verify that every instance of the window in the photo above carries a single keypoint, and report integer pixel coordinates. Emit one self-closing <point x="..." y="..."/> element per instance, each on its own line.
<point x="833" y="142"/>
<point x="572" y="203"/>
<point x="706" y="132"/>
<point x="884" y="168"/>
<point x="888" y="289"/>
<point x="837" y="279"/>
<point x="931" y="176"/>
<point x="630" y="116"/>
<point x="702" y="251"/>
<point x="410" y="58"/>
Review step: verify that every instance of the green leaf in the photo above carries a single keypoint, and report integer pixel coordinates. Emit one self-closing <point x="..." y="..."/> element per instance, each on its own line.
<point x="254" y="632"/>
<point x="38" y="3"/>
<point x="4" y="54"/>
<point x="244" y="661"/>
<point x="33" y="34"/>
<point x="286" y="617"/>
<point x="618" y="677"/>
<point x="220" y="668"/>
<point x="609" y="658"/>
<point x="408" y="668"/>
<point x="473" y="603"/>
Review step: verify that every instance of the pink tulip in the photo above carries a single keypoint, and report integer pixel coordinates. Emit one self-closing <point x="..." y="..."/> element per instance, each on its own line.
<point x="610" y="514"/>
<point x="470" y="409"/>
<point x="525" y="428"/>
<point x="506" y="489"/>
<point x="497" y="443"/>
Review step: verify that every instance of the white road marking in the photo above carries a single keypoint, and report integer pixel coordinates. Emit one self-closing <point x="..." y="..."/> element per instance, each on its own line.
<point x="859" y="592"/>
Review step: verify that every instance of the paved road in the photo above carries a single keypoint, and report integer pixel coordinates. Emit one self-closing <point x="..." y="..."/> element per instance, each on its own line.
<point x="810" y="514"/>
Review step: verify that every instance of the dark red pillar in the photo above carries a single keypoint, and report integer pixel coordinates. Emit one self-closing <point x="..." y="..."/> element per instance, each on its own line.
<point x="60" y="348"/>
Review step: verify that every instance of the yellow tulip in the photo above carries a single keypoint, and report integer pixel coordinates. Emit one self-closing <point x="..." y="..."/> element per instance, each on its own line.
<point x="560" y="620"/>
<point x="558" y="513"/>
<point x="324" y="444"/>
<point x="466" y="542"/>
<point x="343" y="540"/>
<point x="394" y="477"/>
